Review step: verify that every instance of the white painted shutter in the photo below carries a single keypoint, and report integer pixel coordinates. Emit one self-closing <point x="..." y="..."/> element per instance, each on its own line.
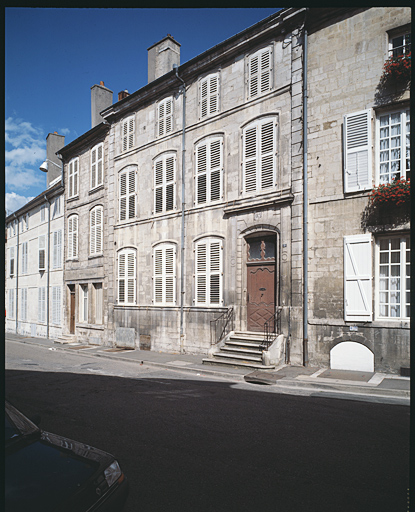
<point x="100" y="164"/>
<point x="73" y="236"/>
<point x="267" y="152"/>
<point x="128" y="129"/>
<point x="265" y="71"/>
<point x="11" y="261"/>
<point x="164" y="183"/>
<point x="24" y="257"/>
<point x="204" y="99"/>
<point x="123" y="196"/>
<point x="209" y="95"/>
<point x="216" y="167"/>
<point x="94" y="168"/>
<point x="215" y="270"/>
<point x="209" y="272"/>
<point x="169" y="275"/>
<point x="169" y="163"/>
<point x="42" y="252"/>
<point x="23" y="304"/>
<point x="169" y="115"/>
<point x="56" y="305"/>
<point x="41" y="304"/>
<point x="201" y="174"/>
<point x="92" y="231"/>
<point x="75" y="177"/>
<point x="57" y="249"/>
<point x="131" y="273"/>
<point x="98" y="230"/>
<point x="131" y="194"/>
<point x="165" y="117"/>
<point x="165" y="275"/>
<point x="121" y="277"/>
<point x="201" y="268"/>
<point x="358" y="278"/>
<point x="259" y="72"/>
<point x="158" y="276"/>
<point x="70" y="187"/>
<point x="158" y="186"/>
<point x="250" y="159"/>
<point x="357" y="151"/>
<point x="253" y="76"/>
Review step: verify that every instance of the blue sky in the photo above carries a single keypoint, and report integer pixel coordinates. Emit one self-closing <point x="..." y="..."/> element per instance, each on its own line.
<point x="54" y="56"/>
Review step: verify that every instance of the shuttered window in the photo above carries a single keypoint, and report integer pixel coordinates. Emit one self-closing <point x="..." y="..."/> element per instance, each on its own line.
<point x="11" y="259"/>
<point x="73" y="176"/>
<point x="209" y="95"/>
<point x="57" y="248"/>
<point x="42" y="214"/>
<point x="73" y="237"/>
<point x="358" y="278"/>
<point x="42" y="252"/>
<point x="259" y="72"/>
<point x="164" y="274"/>
<point x="165" y="183"/>
<point x="209" y="272"/>
<point x="95" y="230"/>
<point x="97" y="165"/>
<point x="357" y="151"/>
<point x="24" y="257"/>
<point x="394" y="277"/>
<point x="56" y="207"/>
<point x="165" y="117"/>
<point x="98" y="303"/>
<point x="56" y="305"/>
<point x="83" y="303"/>
<point x="23" y="304"/>
<point x="127" y="276"/>
<point x="394" y="133"/>
<point x="128" y="133"/>
<point x="209" y="171"/>
<point x="259" y="155"/>
<point x="10" y="309"/>
<point x="41" y="306"/>
<point x="127" y="193"/>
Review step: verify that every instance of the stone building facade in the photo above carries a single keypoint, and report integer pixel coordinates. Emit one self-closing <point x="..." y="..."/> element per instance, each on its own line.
<point x="358" y="264"/>
<point x="34" y="257"/>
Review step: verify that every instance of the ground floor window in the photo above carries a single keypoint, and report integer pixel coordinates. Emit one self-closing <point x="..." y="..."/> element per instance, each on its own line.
<point x="10" y="312"/>
<point x="23" y="305"/>
<point x="56" y="305"/>
<point x="394" y="277"/>
<point x="83" y="303"/>
<point x="97" y="303"/>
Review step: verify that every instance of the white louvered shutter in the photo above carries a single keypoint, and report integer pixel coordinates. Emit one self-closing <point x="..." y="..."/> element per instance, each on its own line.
<point x="201" y="174"/>
<point x="128" y="130"/>
<point x="121" y="277"/>
<point x="70" y="184"/>
<point x="92" y="231"/>
<point x="127" y="205"/>
<point x="123" y="196"/>
<point x="250" y="159"/>
<point x="42" y="304"/>
<point x="209" y="170"/>
<point x="357" y="151"/>
<point x="209" y="95"/>
<point x="209" y="255"/>
<point x="164" y="183"/>
<point x="94" y="168"/>
<point x="73" y="236"/>
<point x="165" y="275"/>
<point x="267" y="152"/>
<point x="98" y="230"/>
<point x="24" y="258"/>
<point x="358" y="278"/>
<point x="75" y="177"/>
<point x="57" y="249"/>
<point x="24" y="304"/>
<point x="165" y="117"/>
<point x="259" y="72"/>
<point x="131" y="273"/>
<point x="42" y="252"/>
<point x="100" y="164"/>
<point x="56" y="305"/>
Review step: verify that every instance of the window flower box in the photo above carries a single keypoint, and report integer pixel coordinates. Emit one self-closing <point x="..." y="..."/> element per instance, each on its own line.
<point x="397" y="69"/>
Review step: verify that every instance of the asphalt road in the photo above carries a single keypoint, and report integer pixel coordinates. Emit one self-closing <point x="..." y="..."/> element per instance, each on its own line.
<point x="198" y="444"/>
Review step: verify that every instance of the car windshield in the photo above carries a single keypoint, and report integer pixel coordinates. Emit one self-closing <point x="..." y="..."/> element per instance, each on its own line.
<point x="16" y="424"/>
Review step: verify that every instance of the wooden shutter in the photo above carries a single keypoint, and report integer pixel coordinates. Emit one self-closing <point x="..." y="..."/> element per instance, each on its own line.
<point x="357" y="151"/>
<point x="204" y="98"/>
<point x="164" y="183"/>
<point x="358" y="278"/>
<point x="253" y="76"/>
<point x="169" y="115"/>
<point x="265" y="71"/>
<point x="209" y="165"/>
<point x="127" y="195"/>
<point x="165" y="117"/>
<point x="94" y="168"/>
<point x="250" y="159"/>
<point x="121" y="277"/>
<point x="259" y="72"/>
<point x="57" y="249"/>
<point x="131" y="273"/>
<point x="201" y="173"/>
<point x="209" y="272"/>
<point x="165" y="275"/>
<point x="42" y="252"/>
<point x="216" y="166"/>
<point x="128" y="129"/>
<point x="131" y="194"/>
<point x="98" y="230"/>
<point x="209" y="95"/>
<point x="123" y="196"/>
<point x="73" y="236"/>
<point x="267" y="152"/>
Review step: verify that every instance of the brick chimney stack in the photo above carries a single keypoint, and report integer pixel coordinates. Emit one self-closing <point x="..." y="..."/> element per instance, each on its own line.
<point x="123" y="94"/>
<point x="162" y="56"/>
<point x="101" y="98"/>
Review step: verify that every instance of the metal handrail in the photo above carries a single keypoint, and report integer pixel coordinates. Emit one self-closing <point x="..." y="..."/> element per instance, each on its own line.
<point x="223" y="324"/>
<point x="272" y="328"/>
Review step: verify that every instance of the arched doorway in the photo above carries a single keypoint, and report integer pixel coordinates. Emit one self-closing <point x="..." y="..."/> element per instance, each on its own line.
<point x="261" y="280"/>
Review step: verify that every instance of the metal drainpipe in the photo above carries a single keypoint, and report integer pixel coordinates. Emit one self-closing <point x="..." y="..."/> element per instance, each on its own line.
<point x="17" y="273"/>
<point x="48" y="271"/>
<point x="305" y="202"/>
<point x="183" y="87"/>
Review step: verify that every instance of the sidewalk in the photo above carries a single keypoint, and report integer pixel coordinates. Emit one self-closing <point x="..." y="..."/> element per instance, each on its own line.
<point x="382" y="387"/>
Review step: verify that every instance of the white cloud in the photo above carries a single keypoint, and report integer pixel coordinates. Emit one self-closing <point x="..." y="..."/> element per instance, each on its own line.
<point x="14" y="202"/>
<point x="25" y="151"/>
<point x="64" y="131"/>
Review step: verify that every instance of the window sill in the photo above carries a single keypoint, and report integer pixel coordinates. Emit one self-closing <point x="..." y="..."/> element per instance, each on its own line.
<point x="278" y="197"/>
<point x="70" y="199"/>
<point x="96" y="189"/>
<point x="95" y="256"/>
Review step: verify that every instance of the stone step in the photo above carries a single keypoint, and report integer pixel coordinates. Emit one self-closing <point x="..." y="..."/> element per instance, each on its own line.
<point x="236" y="364"/>
<point x="248" y="345"/>
<point x="240" y="357"/>
<point x="65" y="339"/>
<point x="241" y="350"/>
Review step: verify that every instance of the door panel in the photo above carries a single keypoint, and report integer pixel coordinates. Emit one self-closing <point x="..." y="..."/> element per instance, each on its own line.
<point x="72" y="313"/>
<point x="261" y="281"/>
<point x="261" y="295"/>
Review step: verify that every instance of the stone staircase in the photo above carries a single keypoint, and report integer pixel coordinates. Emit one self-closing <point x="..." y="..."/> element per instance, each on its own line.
<point x="66" y="339"/>
<point x="240" y="350"/>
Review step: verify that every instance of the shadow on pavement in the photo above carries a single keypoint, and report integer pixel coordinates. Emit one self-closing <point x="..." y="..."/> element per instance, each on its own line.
<point x="195" y="445"/>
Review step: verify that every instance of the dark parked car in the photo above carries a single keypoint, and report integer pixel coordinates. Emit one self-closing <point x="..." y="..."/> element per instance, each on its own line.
<point x="45" y="472"/>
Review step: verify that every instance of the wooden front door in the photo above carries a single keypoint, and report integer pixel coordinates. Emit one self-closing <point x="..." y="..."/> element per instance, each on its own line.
<point x="72" y="310"/>
<point x="261" y="281"/>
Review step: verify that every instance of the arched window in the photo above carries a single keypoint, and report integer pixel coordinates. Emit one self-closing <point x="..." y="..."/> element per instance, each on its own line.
<point x="95" y="230"/>
<point x="209" y="170"/>
<point x="72" y="237"/>
<point x="209" y="272"/>
<point x="164" y="274"/>
<point x="127" y="276"/>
